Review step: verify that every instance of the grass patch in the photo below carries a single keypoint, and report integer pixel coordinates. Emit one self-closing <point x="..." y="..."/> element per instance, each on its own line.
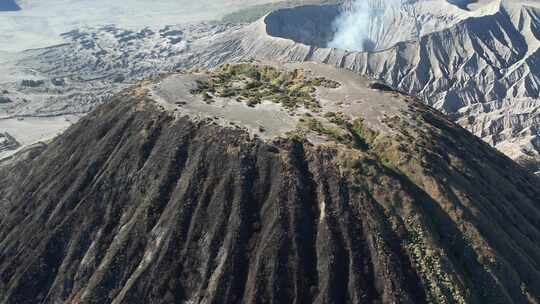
<point x="363" y="136"/>
<point x="334" y="133"/>
<point x="353" y="134"/>
<point x="253" y="83"/>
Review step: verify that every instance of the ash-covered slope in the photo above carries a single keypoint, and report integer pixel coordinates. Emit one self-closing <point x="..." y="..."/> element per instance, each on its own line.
<point x="160" y="196"/>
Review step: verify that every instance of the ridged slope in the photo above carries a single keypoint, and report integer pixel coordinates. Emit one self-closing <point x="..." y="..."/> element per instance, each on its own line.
<point x="135" y="204"/>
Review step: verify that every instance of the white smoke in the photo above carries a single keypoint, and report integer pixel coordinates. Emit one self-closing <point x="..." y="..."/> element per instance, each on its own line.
<point x="351" y="27"/>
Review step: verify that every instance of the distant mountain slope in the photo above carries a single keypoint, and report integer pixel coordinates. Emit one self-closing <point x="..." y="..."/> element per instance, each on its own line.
<point x="8" y="5"/>
<point x="159" y="196"/>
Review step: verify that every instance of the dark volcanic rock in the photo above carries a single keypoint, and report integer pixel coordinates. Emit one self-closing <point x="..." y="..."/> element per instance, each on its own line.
<point x="32" y="83"/>
<point x="132" y="205"/>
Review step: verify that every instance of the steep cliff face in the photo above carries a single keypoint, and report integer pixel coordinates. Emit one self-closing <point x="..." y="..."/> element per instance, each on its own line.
<point x="147" y="201"/>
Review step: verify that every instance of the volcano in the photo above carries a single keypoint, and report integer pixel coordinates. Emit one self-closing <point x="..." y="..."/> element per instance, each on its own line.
<point x="274" y="183"/>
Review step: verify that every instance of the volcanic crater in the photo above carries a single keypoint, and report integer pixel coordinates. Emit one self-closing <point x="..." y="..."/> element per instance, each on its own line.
<point x="386" y="22"/>
<point x="310" y="25"/>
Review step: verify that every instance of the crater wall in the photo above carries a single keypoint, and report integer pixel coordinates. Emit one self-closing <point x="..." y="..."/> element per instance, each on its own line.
<point x="310" y="25"/>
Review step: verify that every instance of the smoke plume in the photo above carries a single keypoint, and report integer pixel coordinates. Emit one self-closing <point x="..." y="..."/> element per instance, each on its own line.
<point x="351" y="27"/>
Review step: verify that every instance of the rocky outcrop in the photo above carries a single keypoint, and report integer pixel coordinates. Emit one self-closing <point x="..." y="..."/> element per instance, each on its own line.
<point x="138" y="203"/>
<point x="7" y="142"/>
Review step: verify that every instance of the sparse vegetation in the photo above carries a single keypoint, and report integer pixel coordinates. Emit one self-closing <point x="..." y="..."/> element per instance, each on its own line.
<point x="340" y="129"/>
<point x="338" y="134"/>
<point x="251" y="83"/>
